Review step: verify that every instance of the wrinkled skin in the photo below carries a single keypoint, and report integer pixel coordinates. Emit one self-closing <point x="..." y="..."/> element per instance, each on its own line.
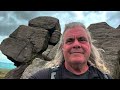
<point x="76" y="49"/>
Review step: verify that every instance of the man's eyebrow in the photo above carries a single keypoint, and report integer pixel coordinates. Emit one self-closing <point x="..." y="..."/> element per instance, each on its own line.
<point x="69" y="37"/>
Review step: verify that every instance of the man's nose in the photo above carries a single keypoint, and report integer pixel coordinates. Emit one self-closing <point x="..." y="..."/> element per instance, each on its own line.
<point x="76" y="44"/>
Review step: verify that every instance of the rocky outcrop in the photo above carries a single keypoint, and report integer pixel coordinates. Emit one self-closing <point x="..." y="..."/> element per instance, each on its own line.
<point x="50" y="24"/>
<point x="25" y="42"/>
<point x="108" y="40"/>
<point x="34" y="67"/>
<point x="29" y="42"/>
<point x="31" y="47"/>
<point x="100" y="25"/>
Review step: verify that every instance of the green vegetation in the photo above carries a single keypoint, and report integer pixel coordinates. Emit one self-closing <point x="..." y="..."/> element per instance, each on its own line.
<point x="3" y="72"/>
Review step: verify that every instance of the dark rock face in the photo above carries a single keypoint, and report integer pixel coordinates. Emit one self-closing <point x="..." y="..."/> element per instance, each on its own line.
<point x="35" y="66"/>
<point x="16" y="73"/>
<point x="55" y="37"/>
<point x="48" y="23"/>
<point x="100" y="25"/>
<point x="25" y="42"/>
<point x="29" y="42"/>
<point x="108" y="40"/>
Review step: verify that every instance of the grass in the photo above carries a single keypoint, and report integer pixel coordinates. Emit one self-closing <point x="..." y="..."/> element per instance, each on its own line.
<point x="3" y="72"/>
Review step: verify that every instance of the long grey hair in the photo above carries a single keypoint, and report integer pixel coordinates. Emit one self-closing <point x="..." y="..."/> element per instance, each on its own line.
<point x="95" y="59"/>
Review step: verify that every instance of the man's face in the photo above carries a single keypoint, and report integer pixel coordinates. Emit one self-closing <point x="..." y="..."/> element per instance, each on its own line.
<point x="76" y="48"/>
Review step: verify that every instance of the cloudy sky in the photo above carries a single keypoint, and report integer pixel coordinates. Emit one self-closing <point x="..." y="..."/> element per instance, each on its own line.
<point x="10" y="20"/>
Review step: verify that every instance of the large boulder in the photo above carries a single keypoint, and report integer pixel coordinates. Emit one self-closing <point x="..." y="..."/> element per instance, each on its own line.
<point x="99" y="25"/>
<point x="49" y="23"/>
<point x="46" y="22"/>
<point x="24" y="43"/>
<point x="39" y="38"/>
<point x="36" y="65"/>
<point x="29" y="42"/>
<point x="108" y="40"/>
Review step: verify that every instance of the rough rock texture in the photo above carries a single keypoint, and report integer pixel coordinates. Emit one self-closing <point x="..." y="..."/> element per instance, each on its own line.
<point x="49" y="54"/>
<point x="30" y="47"/>
<point x="55" y="37"/>
<point x="35" y="66"/>
<point x="49" y="23"/>
<point x="100" y="25"/>
<point x="24" y="43"/>
<point x="108" y="40"/>
<point x="29" y="42"/>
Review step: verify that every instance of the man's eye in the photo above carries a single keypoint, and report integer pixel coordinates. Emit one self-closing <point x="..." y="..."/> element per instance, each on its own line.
<point x="69" y="40"/>
<point x="82" y="39"/>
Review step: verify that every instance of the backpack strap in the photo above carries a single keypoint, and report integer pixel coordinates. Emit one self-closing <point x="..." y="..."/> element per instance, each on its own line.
<point x="99" y="73"/>
<point x="106" y="76"/>
<point x="53" y="72"/>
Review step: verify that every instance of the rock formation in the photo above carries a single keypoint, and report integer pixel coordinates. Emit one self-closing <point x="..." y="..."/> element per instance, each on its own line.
<point x="29" y="42"/>
<point x="30" y="47"/>
<point x="107" y="38"/>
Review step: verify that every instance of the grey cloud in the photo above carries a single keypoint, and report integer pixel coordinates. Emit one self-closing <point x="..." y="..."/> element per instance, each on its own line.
<point x="9" y="20"/>
<point x="7" y="30"/>
<point x="25" y="15"/>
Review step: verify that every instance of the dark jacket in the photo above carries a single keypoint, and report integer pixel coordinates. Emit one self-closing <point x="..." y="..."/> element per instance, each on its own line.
<point x="62" y="73"/>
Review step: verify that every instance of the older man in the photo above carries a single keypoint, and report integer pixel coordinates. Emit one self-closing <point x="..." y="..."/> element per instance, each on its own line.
<point x="76" y="58"/>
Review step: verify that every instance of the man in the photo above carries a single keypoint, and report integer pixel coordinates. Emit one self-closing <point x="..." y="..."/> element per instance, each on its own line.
<point x="76" y="57"/>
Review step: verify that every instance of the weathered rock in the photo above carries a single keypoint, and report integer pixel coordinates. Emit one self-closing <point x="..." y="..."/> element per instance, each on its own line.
<point x="46" y="22"/>
<point x="12" y="47"/>
<point x="16" y="73"/>
<point x="38" y="37"/>
<point x="49" y="54"/>
<point x="54" y="39"/>
<point x="36" y="65"/>
<point x="108" y="40"/>
<point x="46" y="52"/>
<point x="99" y="25"/>
<point x="25" y="43"/>
<point x="28" y="42"/>
<point x="23" y="32"/>
<point x="26" y="54"/>
<point x="40" y="40"/>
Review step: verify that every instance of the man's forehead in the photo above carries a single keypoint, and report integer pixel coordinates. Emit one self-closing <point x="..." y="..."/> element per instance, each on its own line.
<point x="72" y="33"/>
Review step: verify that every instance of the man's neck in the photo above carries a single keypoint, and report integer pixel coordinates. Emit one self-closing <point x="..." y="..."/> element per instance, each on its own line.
<point x="76" y="68"/>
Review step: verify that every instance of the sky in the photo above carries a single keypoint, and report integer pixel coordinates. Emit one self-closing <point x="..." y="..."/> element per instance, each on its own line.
<point x="10" y="20"/>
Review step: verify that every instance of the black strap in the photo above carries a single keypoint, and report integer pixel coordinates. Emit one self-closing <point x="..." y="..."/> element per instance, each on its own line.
<point x="98" y="73"/>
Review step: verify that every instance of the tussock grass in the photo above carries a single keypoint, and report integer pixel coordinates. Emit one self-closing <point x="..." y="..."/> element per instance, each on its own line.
<point x="3" y="72"/>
